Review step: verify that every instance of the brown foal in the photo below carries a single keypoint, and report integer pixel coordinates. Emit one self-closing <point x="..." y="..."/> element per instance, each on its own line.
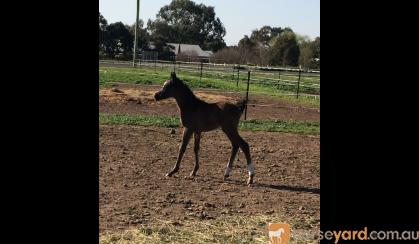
<point x="198" y="116"/>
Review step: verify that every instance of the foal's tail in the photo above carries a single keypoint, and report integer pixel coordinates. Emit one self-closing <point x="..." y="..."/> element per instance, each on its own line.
<point x="242" y="105"/>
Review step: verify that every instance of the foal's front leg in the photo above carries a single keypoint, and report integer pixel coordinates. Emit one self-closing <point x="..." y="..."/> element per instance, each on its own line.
<point x="186" y="137"/>
<point x="197" y="136"/>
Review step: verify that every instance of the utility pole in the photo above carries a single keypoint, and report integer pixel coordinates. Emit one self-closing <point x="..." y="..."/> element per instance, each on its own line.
<point x="134" y="56"/>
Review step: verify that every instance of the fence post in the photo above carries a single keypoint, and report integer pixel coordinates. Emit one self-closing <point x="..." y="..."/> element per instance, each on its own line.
<point x="279" y="77"/>
<point x="247" y="94"/>
<point x="200" y="77"/>
<point x="298" y="84"/>
<point x="238" y="74"/>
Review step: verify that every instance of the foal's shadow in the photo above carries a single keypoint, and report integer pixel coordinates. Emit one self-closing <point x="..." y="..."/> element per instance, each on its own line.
<point x="275" y="187"/>
<point x="289" y="188"/>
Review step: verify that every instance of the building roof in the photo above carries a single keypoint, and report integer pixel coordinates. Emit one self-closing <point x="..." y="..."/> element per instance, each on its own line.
<point x="190" y="48"/>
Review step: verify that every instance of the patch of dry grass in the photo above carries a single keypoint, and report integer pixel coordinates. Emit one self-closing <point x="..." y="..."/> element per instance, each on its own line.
<point x="231" y="229"/>
<point x="148" y="95"/>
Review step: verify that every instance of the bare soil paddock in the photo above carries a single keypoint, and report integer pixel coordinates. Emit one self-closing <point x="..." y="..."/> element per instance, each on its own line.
<point x="134" y="160"/>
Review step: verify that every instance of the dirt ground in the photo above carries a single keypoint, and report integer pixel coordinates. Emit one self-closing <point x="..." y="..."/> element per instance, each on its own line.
<point x="134" y="99"/>
<point x="134" y="159"/>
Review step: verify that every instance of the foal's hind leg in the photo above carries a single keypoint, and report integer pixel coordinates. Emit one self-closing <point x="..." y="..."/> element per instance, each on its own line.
<point x="234" y="149"/>
<point x="245" y="148"/>
<point x="236" y="139"/>
<point x="186" y="137"/>
<point x="197" y="136"/>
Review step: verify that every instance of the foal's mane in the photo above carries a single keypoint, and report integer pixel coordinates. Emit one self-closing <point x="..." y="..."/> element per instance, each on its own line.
<point x="185" y="88"/>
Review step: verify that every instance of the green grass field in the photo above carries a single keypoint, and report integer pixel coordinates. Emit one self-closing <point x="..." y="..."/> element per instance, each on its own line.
<point x="146" y="76"/>
<point x="297" y="127"/>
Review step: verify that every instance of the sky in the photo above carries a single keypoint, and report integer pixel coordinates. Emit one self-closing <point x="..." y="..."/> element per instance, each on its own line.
<point x="239" y="17"/>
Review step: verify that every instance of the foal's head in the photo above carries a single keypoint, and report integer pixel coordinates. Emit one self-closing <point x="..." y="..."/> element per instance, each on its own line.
<point x="170" y="88"/>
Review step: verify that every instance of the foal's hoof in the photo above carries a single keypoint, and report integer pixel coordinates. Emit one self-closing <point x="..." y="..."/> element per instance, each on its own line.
<point x="189" y="178"/>
<point x="172" y="172"/>
<point x="226" y="177"/>
<point x="227" y="173"/>
<point x="250" y="180"/>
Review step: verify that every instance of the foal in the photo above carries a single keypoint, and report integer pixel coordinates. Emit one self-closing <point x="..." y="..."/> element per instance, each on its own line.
<point x="198" y="116"/>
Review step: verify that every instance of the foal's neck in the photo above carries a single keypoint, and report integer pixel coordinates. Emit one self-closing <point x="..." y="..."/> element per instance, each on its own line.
<point x="185" y="99"/>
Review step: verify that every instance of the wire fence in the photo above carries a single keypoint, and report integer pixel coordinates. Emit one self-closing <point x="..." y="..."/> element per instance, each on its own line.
<point x="297" y="81"/>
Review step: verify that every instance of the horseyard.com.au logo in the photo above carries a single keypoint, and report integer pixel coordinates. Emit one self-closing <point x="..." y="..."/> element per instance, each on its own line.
<point x="279" y="233"/>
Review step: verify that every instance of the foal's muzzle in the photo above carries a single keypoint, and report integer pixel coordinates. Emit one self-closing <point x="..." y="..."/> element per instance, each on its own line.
<point x="158" y="96"/>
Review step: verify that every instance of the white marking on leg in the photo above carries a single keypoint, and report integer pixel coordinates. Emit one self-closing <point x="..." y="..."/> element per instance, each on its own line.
<point x="251" y="169"/>
<point x="227" y="171"/>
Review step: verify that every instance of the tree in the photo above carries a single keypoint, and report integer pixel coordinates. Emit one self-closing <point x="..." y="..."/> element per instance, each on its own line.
<point x="309" y="52"/>
<point x="103" y="24"/>
<point x="256" y="48"/>
<point x="284" y="49"/>
<point x="267" y="45"/>
<point x="161" y="33"/>
<point x="316" y="53"/>
<point x="306" y="53"/>
<point x="119" y="40"/>
<point x="247" y="43"/>
<point x="302" y="39"/>
<point x="143" y="37"/>
<point x="265" y="35"/>
<point x="183" y="21"/>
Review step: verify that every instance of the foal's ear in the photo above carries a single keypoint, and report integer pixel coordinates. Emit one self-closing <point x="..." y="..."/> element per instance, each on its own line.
<point x="173" y="75"/>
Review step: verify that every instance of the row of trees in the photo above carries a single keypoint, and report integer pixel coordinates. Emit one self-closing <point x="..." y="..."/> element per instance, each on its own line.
<point x="183" y="21"/>
<point x="273" y="46"/>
